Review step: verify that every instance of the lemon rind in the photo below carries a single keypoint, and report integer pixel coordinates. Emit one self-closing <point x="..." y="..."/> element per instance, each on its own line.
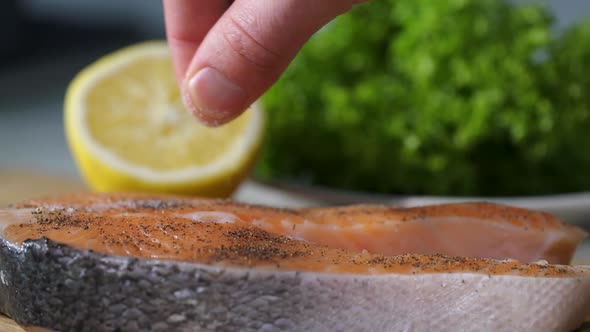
<point x="231" y="160"/>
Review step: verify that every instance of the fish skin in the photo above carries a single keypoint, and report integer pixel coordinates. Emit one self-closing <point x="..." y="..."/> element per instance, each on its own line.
<point x="292" y="285"/>
<point x="88" y="291"/>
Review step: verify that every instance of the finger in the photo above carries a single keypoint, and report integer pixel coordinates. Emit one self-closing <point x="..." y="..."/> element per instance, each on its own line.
<point x="247" y="50"/>
<point x="187" y="23"/>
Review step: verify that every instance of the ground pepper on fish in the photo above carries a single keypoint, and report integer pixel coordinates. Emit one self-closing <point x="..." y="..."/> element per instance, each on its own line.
<point x="163" y="229"/>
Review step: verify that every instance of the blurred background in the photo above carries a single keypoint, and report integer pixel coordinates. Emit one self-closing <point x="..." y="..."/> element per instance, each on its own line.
<point x="45" y="43"/>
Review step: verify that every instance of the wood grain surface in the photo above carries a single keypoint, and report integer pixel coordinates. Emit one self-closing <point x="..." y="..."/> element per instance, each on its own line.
<point x="18" y="184"/>
<point x="8" y="325"/>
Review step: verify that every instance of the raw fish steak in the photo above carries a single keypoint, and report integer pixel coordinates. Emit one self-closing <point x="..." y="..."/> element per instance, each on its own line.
<point x="160" y="263"/>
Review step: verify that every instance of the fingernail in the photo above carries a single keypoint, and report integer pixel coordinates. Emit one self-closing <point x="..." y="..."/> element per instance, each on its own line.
<point x="214" y="98"/>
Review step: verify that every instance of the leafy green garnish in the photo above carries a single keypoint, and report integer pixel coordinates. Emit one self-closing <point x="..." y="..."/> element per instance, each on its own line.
<point x="457" y="97"/>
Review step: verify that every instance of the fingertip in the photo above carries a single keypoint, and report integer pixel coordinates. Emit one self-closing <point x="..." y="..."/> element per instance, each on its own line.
<point x="201" y="116"/>
<point x="211" y="97"/>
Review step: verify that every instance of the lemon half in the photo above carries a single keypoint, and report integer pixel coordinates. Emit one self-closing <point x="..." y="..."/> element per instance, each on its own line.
<point x="128" y="130"/>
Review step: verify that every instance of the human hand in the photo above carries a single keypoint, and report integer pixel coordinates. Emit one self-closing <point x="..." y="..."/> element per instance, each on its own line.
<point x="227" y="53"/>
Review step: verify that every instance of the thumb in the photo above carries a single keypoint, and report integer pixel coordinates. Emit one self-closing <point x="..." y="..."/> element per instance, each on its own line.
<point x="247" y="50"/>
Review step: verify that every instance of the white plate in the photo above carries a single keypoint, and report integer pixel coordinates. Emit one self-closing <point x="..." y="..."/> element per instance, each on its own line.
<point x="573" y="208"/>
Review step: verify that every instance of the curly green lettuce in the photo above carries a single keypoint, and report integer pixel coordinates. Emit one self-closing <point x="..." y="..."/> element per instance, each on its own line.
<point x="457" y="97"/>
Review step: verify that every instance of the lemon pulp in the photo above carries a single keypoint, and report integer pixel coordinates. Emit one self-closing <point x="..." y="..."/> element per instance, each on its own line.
<point x="129" y="131"/>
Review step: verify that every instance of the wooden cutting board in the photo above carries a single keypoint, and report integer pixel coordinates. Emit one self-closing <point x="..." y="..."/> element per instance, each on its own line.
<point x="8" y="325"/>
<point x="17" y="185"/>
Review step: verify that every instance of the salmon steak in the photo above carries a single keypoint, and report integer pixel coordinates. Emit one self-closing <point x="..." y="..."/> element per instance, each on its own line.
<point x="134" y="262"/>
